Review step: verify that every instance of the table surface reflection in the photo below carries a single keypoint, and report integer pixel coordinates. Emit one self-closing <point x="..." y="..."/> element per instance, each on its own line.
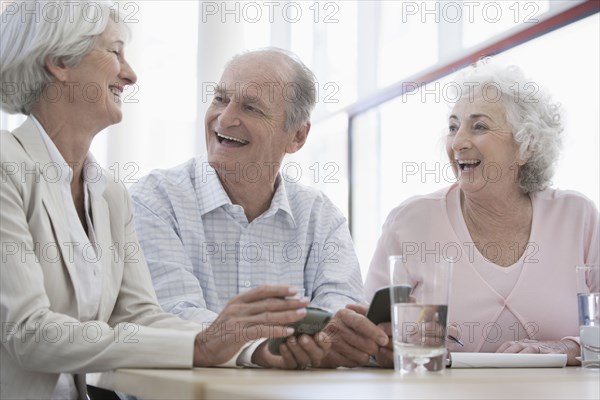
<point x="360" y="383"/>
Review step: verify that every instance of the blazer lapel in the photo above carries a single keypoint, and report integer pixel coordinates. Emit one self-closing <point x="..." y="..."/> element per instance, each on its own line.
<point x="29" y="137"/>
<point x="106" y="251"/>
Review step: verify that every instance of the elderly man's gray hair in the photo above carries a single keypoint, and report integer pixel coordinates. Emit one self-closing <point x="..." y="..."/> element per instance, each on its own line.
<point x="300" y="93"/>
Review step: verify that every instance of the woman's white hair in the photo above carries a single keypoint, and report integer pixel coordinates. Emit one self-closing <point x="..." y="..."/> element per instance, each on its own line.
<point x="534" y="118"/>
<point x="32" y="32"/>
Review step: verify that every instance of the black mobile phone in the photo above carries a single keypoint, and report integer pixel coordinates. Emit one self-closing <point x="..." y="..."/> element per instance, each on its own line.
<point x="315" y="319"/>
<point x="379" y="309"/>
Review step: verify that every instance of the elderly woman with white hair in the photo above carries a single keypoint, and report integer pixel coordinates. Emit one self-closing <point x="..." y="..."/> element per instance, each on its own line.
<point x="515" y="240"/>
<point x="76" y="295"/>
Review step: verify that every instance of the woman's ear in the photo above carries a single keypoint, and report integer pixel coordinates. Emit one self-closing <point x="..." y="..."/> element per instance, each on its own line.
<point x="299" y="139"/>
<point x="56" y="68"/>
<point x="524" y="158"/>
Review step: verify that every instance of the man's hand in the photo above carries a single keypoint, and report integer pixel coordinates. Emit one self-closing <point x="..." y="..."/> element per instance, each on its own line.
<point x="296" y="353"/>
<point x="262" y="312"/>
<point x="566" y="346"/>
<point x="354" y="338"/>
<point x="385" y="354"/>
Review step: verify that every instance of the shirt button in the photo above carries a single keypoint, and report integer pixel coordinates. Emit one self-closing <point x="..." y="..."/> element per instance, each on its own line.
<point x="247" y="283"/>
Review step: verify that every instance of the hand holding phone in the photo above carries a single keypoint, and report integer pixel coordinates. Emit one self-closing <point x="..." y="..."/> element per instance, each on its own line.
<point x="380" y="307"/>
<point x="315" y="320"/>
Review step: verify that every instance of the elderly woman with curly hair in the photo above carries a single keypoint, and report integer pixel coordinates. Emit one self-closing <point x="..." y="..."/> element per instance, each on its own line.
<point x="515" y="240"/>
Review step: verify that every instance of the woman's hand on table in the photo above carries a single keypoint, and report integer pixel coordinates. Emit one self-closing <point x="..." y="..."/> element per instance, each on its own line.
<point x="530" y="346"/>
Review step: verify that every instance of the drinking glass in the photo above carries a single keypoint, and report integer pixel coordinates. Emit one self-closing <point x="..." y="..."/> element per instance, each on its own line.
<point x="419" y="324"/>
<point x="588" y="298"/>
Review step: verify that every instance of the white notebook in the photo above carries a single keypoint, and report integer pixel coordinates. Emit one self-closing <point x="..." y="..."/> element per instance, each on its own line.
<point x="507" y="360"/>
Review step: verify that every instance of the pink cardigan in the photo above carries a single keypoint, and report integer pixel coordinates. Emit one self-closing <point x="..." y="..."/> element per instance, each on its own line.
<point x="540" y="297"/>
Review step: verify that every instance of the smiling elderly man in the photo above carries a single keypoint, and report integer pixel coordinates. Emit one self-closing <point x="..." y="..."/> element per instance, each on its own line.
<point x="229" y="221"/>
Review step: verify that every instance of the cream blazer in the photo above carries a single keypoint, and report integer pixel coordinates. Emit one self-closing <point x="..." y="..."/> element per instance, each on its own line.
<point x="42" y="335"/>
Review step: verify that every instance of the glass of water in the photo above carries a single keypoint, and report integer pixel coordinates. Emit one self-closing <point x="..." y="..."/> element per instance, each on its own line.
<point x="588" y="303"/>
<point x="419" y="320"/>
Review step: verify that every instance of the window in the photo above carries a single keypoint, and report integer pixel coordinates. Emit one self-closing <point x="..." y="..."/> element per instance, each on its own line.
<point x="377" y="135"/>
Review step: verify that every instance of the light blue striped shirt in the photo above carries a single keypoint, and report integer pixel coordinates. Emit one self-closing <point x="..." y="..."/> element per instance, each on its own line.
<point x="202" y="251"/>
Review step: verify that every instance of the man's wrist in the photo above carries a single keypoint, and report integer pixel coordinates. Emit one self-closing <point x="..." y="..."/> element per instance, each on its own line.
<point x="199" y="358"/>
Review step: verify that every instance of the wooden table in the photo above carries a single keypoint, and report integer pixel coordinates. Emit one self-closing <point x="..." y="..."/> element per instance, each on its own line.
<point x="362" y="383"/>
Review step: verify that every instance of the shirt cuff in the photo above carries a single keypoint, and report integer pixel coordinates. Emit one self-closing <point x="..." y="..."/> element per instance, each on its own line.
<point x="244" y="358"/>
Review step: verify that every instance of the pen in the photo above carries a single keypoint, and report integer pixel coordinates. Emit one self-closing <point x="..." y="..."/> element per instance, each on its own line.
<point x="449" y="358"/>
<point x="455" y="340"/>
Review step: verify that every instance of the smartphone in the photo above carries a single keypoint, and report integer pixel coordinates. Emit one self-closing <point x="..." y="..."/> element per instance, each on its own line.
<point x="315" y="319"/>
<point x="380" y="307"/>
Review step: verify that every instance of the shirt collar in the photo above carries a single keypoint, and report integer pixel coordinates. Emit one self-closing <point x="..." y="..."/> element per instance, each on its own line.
<point x="280" y="200"/>
<point x="93" y="175"/>
<point x="209" y="190"/>
<point x="212" y="195"/>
